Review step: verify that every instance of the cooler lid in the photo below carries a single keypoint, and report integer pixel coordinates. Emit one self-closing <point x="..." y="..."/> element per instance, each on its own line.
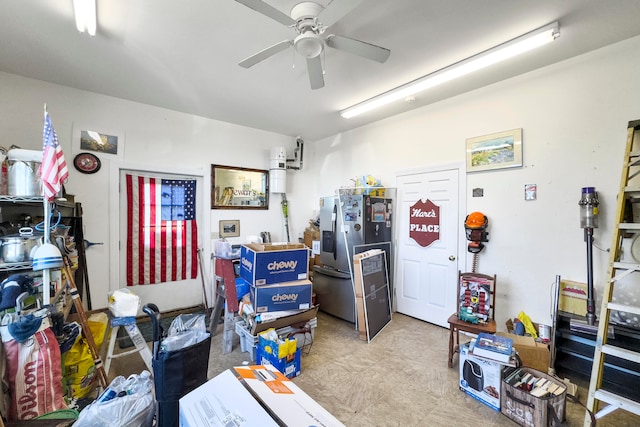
<point x="25" y="155"/>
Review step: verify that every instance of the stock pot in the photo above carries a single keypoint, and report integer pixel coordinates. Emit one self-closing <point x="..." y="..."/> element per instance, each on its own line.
<point x="20" y="247"/>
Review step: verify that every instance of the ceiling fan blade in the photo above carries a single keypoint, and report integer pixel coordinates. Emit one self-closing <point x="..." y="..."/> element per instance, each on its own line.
<point x="357" y="47"/>
<point x="336" y="10"/>
<point x="314" y="67"/>
<point x="265" y="53"/>
<point x="268" y="10"/>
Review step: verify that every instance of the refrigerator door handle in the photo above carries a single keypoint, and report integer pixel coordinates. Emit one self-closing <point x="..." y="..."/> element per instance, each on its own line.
<point x="333" y="230"/>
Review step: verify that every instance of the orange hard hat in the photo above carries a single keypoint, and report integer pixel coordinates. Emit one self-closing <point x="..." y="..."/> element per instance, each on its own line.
<point x="476" y="220"/>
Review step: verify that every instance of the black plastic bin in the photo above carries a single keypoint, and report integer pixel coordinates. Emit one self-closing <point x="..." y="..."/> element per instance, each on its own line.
<point x="175" y="373"/>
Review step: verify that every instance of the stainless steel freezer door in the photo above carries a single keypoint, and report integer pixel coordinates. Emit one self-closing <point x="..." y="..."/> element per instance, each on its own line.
<point x="334" y="292"/>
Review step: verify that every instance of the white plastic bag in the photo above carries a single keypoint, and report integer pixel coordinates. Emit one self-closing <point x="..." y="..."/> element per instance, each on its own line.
<point x="185" y="330"/>
<point x="124" y="303"/>
<point x="127" y="411"/>
<point x="125" y="403"/>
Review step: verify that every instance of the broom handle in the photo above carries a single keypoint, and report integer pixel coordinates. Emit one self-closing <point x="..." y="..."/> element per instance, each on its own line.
<point x="77" y="303"/>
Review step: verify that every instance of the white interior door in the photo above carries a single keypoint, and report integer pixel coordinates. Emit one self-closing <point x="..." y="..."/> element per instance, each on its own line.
<point x="426" y="276"/>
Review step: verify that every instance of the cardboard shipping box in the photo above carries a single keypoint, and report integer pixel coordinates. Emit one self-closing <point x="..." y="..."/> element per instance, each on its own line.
<point x="573" y="297"/>
<point x="262" y="264"/>
<point x="285" y="401"/>
<point x="281" y="296"/>
<point x="533" y="354"/>
<point x="281" y="322"/>
<point x="220" y="402"/>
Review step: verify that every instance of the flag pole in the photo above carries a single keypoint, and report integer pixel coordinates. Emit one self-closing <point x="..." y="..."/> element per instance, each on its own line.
<point x="46" y="273"/>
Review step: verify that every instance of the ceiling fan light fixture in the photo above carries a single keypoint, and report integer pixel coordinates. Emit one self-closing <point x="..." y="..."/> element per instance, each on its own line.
<point x="514" y="47"/>
<point x="308" y="45"/>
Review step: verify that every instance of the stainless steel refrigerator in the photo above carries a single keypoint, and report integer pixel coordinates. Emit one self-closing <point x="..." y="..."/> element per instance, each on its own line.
<point x="349" y="224"/>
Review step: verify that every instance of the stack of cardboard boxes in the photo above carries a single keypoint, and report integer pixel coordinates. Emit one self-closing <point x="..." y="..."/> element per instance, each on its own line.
<point x="277" y="275"/>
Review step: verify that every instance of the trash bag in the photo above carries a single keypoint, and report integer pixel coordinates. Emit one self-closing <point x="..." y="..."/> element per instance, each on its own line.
<point x="122" y="405"/>
<point x="185" y="330"/>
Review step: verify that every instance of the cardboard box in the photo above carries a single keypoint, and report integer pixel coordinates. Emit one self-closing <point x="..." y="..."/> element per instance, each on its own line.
<point x="281" y="297"/>
<point x="533" y="354"/>
<point x="222" y="401"/>
<point x="309" y="238"/>
<point x="281" y="322"/>
<point x="480" y="378"/>
<point x="290" y="366"/>
<point x="270" y="264"/>
<point x="285" y="401"/>
<point x="573" y="297"/>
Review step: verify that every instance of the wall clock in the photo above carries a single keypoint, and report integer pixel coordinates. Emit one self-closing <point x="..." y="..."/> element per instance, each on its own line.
<point x="87" y="163"/>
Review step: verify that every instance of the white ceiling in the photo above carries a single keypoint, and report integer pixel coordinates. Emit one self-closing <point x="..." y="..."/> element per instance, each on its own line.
<point x="183" y="54"/>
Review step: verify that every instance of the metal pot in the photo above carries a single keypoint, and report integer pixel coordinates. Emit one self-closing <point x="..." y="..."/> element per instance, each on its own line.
<point x="22" y="172"/>
<point x="20" y="248"/>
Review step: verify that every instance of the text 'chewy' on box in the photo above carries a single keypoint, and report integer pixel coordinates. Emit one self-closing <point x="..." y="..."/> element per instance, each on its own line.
<point x="270" y="264"/>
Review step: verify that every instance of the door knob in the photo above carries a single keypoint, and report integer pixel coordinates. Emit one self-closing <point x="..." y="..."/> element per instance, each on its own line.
<point x="452" y="258"/>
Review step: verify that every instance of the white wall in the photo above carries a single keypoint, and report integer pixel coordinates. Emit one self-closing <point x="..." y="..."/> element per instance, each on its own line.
<point x="574" y="117"/>
<point x="155" y="139"/>
<point x="573" y="114"/>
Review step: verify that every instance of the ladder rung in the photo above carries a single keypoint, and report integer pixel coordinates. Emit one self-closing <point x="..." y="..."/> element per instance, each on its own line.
<point x="632" y="189"/>
<point x="623" y="308"/>
<point x="626" y="265"/>
<point x="622" y="353"/>
<point x="629" y="226"/>
<point x="618" y="401"/>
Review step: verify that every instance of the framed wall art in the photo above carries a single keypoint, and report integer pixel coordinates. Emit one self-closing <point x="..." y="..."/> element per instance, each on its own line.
<point x="239" y="188"/>
<point x="495" y="151"/>
<point x="106" y="144"/>
<point x="229" y="228"/>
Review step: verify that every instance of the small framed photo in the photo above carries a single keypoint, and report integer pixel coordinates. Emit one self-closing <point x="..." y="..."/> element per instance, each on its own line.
<point x="104" y="143"/>
<point x="495" y="151"/>
<point x="229" y="228"/>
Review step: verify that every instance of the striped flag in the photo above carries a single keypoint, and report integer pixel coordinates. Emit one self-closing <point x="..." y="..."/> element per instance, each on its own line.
<point x="162" y="237"/>
<point x="53" y="170"/>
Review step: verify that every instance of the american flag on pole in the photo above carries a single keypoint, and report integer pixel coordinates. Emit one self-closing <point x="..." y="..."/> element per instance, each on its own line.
<point x="53" y="170"/>
<point x="162" y="237"/>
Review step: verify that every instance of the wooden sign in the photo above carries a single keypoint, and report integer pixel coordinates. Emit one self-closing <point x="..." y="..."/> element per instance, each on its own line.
<point x="424" y="222"/>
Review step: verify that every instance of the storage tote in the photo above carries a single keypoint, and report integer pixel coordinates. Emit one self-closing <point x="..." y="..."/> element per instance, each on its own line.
<point x="539" y="404"/>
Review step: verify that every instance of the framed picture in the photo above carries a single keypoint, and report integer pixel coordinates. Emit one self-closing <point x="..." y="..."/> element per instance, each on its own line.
<point x="106" y="144"/>
<point x="239" y="188"/>
<point x="495" y="151"/>
<point x="229" y="228"/>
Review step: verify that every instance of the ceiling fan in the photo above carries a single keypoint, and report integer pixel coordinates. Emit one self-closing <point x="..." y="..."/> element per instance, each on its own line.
<point x="310" y="20"/>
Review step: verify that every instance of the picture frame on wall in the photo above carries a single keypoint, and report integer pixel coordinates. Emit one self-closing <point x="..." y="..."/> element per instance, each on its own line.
<point x="104" y="143"/>
<point x="494" y="151"/>
<point x="229" y="228"/>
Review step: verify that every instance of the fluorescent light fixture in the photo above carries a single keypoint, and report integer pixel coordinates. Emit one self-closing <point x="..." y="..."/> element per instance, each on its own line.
<point x="85" y="12"/>
<point x="496" y="54"/>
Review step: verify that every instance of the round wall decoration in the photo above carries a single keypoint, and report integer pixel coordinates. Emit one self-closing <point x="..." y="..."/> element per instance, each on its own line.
<point x="87" y="163"/>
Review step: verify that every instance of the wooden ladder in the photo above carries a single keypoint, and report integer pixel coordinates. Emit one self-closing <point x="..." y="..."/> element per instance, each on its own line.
<point x="629" y="190"/>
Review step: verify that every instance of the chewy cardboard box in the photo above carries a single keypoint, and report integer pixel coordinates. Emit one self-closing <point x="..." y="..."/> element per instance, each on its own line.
<point x="281" y="296"/>
<point x="285" y="401"/>
<point x="480" y="378"/>
<point x="533" y="354"/>
<point x="269" y="264"/>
